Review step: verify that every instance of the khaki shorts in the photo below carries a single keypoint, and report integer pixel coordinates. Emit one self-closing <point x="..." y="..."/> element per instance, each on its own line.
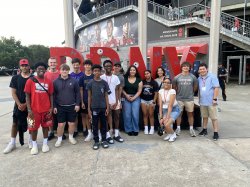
<point x="118" y="106"/>
<point x="189" y="105"/>
<point x="209" y="111"/>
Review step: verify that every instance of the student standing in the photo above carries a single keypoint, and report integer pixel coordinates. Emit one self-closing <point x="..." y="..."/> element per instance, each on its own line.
<point x="208" y="97"/>
<point x="98" y="105"/>
<point x="76" y="74"/>
<point x="185" y="85"/>
<point x="114" y="103"/>
<point x="131" y="105"/>
<point x="52" y="74"/>
<point x="39" y="98"/>
<point x="20" y="112"/>
<point x="66" y="103"/>
<point x="83" y="82"/>
<point x="148" y="101"/>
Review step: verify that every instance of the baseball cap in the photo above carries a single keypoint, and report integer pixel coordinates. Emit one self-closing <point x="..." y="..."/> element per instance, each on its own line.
<point x="23" y="62"/>
<point x="117" y="63"/>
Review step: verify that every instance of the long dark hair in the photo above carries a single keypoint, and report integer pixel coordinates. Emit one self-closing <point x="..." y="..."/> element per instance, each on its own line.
<point x="128" y="72"/>
<point x="157" y="76"/>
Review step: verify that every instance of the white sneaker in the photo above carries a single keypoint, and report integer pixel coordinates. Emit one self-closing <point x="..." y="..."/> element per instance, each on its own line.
<point x="151" y="131"/>
<point x="58" y="143"/>
<point x="172" y="138"/>
<point x="192" y="133"/>
<point x="167" y="137"/>
<point x="72" y="141"/>
<point x="145" y="131"/>
<point x="34" y="150"/>
<point x="45" y="148"/>
<point x="89" y="137"/>
<point x="178" y="132"/>
<point x="30" y="145"/>
<point x="10" y="147"/>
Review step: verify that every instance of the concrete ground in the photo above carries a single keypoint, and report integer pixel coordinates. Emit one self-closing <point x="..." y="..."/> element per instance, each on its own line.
<point x="145" y="160"/>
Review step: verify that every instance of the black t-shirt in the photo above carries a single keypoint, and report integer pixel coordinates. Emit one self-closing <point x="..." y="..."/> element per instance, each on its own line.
<point x="18" y="82"/>
<point x="148" y="90"/>
<point x="222" y="71"/>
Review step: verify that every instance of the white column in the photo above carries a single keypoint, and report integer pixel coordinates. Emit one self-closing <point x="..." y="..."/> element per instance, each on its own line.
<point x="68" y="23"/>
<point x="142" y="28"/>
<point x="214" y="36"/>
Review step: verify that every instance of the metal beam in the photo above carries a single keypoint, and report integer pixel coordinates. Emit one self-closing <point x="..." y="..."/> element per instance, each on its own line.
<point x="214" y="36"/>
<point x="68" y="23"/>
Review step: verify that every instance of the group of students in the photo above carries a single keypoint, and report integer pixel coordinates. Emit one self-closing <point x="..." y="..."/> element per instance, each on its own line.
<point x="53" y="98"/>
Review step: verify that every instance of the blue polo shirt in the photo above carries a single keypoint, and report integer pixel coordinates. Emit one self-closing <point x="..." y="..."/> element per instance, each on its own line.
<point x="207" y="85"/>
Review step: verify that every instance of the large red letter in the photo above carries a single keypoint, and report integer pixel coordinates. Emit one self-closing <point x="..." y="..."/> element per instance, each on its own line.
<point x="96" y="53"/>
<point x="60" y="52"/>
<point x="135" y="58"/>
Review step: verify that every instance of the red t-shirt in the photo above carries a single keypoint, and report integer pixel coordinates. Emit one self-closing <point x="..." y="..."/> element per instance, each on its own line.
<point x="51" y="75"/>
<point x="40" y="101"/>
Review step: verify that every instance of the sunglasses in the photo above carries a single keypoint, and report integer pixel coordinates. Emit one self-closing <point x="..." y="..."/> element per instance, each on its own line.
<point x="24" y="65"/>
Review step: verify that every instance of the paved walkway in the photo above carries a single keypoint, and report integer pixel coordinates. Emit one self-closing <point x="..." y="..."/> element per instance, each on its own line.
<point x="139" y="161"/>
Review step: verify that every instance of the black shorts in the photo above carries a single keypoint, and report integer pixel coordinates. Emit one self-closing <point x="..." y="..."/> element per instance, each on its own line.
<point x="20" y="119"/>
<point x="66" y="114"/>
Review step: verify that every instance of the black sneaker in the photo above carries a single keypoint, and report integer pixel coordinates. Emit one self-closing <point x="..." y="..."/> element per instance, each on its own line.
<point x="216" y="136"/>
<point x="203" y="132"/>
<point x="105" y="144"/>
<point x="110" y="140"/>
<point x="96" y="146"/>
<point x="135" y="133"/>
<point x="118" y="139"/>
<point x="85" y="133"/>
<point x="130" y="133"/>
<point x="64" y="137"/>
<point x="75" y="134"/>
<point x="51" y="136"/>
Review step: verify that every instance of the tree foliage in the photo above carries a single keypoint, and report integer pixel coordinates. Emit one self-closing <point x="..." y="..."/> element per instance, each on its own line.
<point x="11" y="51"/>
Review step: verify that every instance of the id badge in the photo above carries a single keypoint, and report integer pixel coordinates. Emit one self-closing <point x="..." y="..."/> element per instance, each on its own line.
<point x="203" y="89"/>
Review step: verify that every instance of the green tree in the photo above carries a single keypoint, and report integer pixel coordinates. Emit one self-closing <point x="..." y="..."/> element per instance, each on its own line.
<point x="11" y="51"/>
<point x="38" y="53"/>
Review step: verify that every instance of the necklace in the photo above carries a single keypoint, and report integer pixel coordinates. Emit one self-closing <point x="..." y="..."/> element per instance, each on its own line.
<point x="165" y="95"/>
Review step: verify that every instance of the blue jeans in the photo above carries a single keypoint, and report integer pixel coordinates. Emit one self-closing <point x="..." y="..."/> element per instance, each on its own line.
<point x="130" y="112"/>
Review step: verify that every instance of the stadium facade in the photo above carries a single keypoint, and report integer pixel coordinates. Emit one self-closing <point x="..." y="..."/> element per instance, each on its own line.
<point x="179" y="23"/>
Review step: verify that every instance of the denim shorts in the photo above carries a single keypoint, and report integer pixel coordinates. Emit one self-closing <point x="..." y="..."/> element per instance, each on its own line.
<point x="176" y="111"/>
<point x="150" y="102"/>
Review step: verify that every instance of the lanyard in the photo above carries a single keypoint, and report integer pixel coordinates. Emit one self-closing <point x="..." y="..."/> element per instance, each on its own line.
<point x="109" y="80"/>
<point x="165" y="97"/>
<point x="204" y="81"/>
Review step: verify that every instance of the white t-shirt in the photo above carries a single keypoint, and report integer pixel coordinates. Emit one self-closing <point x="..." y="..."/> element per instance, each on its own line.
<point x="112" y="81"/>
<point x="165" y="97"/>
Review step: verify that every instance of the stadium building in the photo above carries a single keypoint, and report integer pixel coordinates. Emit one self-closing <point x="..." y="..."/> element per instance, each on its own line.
<point x="180" y="23"/>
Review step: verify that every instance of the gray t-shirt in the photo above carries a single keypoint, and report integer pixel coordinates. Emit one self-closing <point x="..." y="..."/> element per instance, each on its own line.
<point x="185" y="87"/>
<point x="121" y="78"/>
<point x="98" y="90"/>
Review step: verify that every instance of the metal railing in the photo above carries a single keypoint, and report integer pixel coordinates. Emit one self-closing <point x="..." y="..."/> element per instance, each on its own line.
<point x="107" y="8"/>
<point x="235" y="25"/>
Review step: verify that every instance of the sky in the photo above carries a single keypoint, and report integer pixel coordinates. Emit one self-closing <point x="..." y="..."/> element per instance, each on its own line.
<point x="33" y="21"/>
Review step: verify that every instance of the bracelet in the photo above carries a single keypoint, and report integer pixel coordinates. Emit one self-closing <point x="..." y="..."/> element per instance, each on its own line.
<point x="215" y="99"/>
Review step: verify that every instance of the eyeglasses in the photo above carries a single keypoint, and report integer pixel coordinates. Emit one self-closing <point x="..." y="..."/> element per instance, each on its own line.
<point x="24" y="65"/>
<point x="108" y="66"/>
<point x="166" y="82"/>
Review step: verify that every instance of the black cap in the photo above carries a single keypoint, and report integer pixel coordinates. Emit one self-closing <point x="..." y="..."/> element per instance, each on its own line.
<point x="117" y="63"/>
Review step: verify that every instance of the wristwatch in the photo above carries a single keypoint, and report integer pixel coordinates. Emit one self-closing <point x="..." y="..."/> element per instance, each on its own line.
<point x="215" y="99"/>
